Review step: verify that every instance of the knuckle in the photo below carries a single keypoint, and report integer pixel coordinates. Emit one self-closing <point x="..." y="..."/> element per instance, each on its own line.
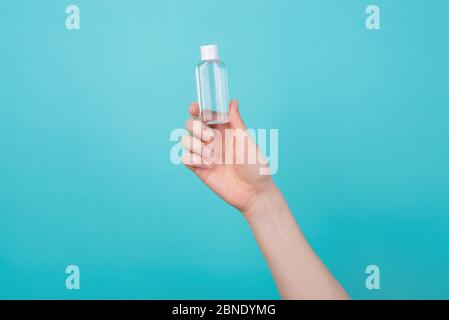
<point x="188" y="124"/>
<point x="185" y="141"/>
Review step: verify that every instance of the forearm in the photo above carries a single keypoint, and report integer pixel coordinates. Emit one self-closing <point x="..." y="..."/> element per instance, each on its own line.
<point x="296" y="269"/>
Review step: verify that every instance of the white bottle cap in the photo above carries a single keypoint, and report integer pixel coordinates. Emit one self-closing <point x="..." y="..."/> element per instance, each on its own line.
<point x="209" y="52"/>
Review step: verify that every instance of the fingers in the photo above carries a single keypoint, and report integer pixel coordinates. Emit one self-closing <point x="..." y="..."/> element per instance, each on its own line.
<point x="197" y="154"/>
<point x="194" y="109"/>
<point x="235" y="118"/>
<point x="196" y="146"/>
<point x="202" y="154"/>
<point x="199" y="129"/>
<point x="191" y="159"/>
<point x="192" y="144"/>
<point x="194" y="160"/>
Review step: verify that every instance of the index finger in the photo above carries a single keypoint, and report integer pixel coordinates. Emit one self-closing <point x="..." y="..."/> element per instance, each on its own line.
<point x="194" y="109"/>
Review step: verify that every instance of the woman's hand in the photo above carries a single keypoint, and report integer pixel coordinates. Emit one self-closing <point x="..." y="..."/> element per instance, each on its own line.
<point x="226" y="159"/>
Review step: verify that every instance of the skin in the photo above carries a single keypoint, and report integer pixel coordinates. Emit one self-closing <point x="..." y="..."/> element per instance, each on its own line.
<point x="296" y="269"/>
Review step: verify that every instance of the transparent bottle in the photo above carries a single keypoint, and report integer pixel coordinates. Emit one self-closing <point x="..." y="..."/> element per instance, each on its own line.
<point x="212" y="86"/>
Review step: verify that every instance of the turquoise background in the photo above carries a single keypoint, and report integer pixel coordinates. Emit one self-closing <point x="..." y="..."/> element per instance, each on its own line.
<point x="85" y="119"/>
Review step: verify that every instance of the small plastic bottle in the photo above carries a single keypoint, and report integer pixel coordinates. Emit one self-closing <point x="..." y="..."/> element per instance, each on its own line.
<point x="212" y="87"/>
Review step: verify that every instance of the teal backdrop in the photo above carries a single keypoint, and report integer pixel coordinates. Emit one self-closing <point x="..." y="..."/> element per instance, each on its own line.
<point x="85" y="120"/>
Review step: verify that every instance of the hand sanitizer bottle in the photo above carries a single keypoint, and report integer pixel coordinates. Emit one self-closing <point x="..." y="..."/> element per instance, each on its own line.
<point x="212" y="87"/>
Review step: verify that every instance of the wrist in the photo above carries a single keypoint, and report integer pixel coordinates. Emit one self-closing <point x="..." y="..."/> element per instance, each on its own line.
<point x="264" y="204"/>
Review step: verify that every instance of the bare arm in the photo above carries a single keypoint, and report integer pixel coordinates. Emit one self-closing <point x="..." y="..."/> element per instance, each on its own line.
<point x="296" y="269"/>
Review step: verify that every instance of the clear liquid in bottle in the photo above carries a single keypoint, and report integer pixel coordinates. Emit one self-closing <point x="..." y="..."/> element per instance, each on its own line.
<point x="212" y="87"/>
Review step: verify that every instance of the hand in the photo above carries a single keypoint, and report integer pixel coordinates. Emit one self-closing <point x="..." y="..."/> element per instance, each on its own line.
<point x="217" y="160"/>
<point x="297" y="270"/>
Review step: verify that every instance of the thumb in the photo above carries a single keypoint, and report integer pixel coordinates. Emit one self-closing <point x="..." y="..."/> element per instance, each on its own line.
<point x="235" y="118"/>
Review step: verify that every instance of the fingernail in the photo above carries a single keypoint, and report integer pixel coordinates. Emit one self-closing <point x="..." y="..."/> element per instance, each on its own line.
<point x="208" y="134"/>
